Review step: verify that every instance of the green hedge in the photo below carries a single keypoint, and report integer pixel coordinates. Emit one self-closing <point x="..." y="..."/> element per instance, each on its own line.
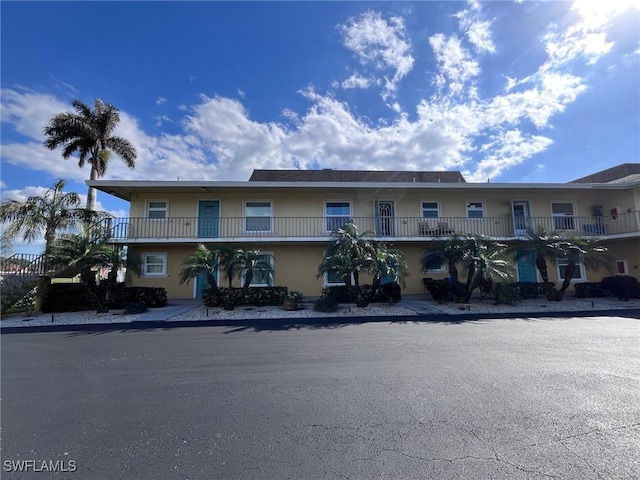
<point x="68" y="297"/>
<point x="121" y="296"/>
<point x="623" y="287"/>
<point x="590" y="290"/>
<point x="259" y="296"/>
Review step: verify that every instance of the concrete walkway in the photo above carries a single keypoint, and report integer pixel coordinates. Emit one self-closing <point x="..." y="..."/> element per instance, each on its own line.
<point x="175" y="307"/>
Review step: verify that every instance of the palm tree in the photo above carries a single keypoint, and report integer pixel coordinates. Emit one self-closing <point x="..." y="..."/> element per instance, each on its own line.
<point x="202" y="261"/>
<point x="251" y="261"/>
<point x="387" y="263"/>
<point x="542" y="244"/>
<point x="84" y="253"/>
<point x="482" y="259"/>
<point x="349" y="253"/>
<point x="576" y="249"/>
<point x="450" y="253"/>
<point x="46" y="215"/>
<point x="228" y="261"/>
<point x="87" y="134"/>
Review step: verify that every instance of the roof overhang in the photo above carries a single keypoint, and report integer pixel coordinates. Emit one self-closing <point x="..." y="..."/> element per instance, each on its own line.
<point x="124" y="188"/>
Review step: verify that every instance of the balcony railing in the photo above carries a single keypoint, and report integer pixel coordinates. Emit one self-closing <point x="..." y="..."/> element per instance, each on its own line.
<point x="291" y="228"/>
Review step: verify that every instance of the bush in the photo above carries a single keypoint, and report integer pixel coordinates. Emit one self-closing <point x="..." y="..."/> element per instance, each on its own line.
<point x="529" y="289"/>
<point x="392" y="292"/>
<point x="259" y="296"/>
<point x="442" y="291"/>
<point x="340" y="293"/>
<point x="590" y="290"/>
<point x="326" y="305"/>
<point x="121" y="296"/>
<point x="507" y="293"/>
<point x="68" y="297"/>
<point x="623" y="287"/>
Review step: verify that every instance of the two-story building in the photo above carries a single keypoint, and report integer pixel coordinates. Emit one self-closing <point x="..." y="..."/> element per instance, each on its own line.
<point x="289" y="215"/>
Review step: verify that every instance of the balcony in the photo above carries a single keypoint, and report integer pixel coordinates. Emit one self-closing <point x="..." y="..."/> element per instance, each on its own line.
<point x="261" y="229"/>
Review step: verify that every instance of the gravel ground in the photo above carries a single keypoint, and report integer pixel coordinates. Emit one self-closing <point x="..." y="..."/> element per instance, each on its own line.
<point x="535" y="306"/>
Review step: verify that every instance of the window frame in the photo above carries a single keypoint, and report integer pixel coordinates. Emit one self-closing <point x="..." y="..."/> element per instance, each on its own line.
<point x="149" y="209"/>
<point x="247" y="217"/>
<point x="326" y="217"/>
<point x="422" y="209"/>
<point x="443" y="268"/>
<point x="145" y="264"/>
<point x="563" y="260"/>
<point x="483" y="208"/>
<point x="272" y="262"/>
<point x="571" y="224"/>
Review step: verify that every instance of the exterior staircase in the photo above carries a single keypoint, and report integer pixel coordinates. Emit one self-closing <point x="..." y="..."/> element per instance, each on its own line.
<point x="19" y="275"/>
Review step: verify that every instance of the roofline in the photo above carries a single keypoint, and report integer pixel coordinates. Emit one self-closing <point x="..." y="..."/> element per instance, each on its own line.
<point x="102" y="184"/>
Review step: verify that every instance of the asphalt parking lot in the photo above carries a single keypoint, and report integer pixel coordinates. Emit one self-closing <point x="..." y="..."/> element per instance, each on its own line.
<point x="504" y="398"/>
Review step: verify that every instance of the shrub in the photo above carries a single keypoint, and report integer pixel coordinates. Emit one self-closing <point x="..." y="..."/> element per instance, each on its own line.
<point x="392" y="292"/>
<point x="590" y="290"/>
<point x="442" y="291"/>
<point x="133" y="308"/>
<point x="152" y="297"/>
<point x="340" y="293"/>
<point x="362" y="302"/>
<point x="325" y="304"/>
<point x="623" y="287"/>
<point x="68" y="297"/>
<point x="295" y="296"/>
<point x="507" y="293"/>
<point x="259" y="296"/>
<point x="529" y="289"/>
<point x="486" y="287"/>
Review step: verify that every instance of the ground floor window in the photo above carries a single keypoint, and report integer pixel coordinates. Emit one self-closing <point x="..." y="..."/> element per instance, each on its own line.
<point x="578" y="274"/>
<point x="154" y="264"/>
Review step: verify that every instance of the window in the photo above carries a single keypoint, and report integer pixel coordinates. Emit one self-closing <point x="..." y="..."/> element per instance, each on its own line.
<point x="257" y="216"/>
<point x="475" y="210"/>
<point x="430" y="210"/>
<point x="333" y="278"/>
<point x="434" y="265"/>
<point x="562" y="213"/>
<point x="562" y="267"/>
<point x="157" y="209"/>
<point x="261" y="277"/>
<point x="154" y="264"/>
<point x="337" y="215"/>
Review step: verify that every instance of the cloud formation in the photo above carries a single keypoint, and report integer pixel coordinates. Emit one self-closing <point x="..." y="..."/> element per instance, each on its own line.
<point x="457" y="127"/>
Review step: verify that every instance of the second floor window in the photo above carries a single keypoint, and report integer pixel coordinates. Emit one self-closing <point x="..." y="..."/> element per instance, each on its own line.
<point x="475" y="210"/>
<point x="257" y="216"/>
<point x="157" y="209"/>
<point x="337" y="215"/>
<point x="430" y="210"/>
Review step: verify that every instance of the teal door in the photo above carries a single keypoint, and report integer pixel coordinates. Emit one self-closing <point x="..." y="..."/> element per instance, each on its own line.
<point x="527" y="266"/>
<point x="201" y="284"/>
<point x="208" y="218"/>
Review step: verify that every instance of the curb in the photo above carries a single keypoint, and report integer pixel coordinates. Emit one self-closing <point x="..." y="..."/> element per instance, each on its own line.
<point x="284" y="324"/>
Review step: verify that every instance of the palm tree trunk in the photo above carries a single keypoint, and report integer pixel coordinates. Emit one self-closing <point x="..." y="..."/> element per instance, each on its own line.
<point x="91" y="193"/>
<point x="541" y="265"/>
<point x="568" y="275"/>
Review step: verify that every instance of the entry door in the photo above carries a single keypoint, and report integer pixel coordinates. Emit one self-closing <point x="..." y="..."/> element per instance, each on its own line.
<point x="208" y="218"/>
<point x="526" y="260"/>
<point x="521" y="217"/>
<point x="201" y="284"/>
<point x="385" y="218"/>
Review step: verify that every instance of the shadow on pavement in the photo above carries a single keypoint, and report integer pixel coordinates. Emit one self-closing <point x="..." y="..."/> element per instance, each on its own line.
<point x="293" y="324"/>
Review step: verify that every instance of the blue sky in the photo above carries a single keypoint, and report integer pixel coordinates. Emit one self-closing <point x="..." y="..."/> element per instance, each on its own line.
<point x="506" y="91"/>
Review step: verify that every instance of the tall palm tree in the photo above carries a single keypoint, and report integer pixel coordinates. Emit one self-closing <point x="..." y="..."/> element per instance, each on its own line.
<point x="202" y="261"/>
<point x="228" y="261"/>
<point x="47" y="215"/>
<point x="251" y="261"/>
<point x="542" y="244"/>
<point x="88" y="134"/>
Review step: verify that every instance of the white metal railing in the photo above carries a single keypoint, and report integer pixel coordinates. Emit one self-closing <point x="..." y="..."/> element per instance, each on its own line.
<point x="194" y="228"/>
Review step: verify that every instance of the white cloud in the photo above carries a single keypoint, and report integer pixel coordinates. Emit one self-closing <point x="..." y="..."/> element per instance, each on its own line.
<point x="380" y="43"/>
<point x="455" y="64"/>
<point x="476" y="29"/>
<point x="356" y="81"/>
<point x="161" y="101"/>
<point x="217" y="139"/>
